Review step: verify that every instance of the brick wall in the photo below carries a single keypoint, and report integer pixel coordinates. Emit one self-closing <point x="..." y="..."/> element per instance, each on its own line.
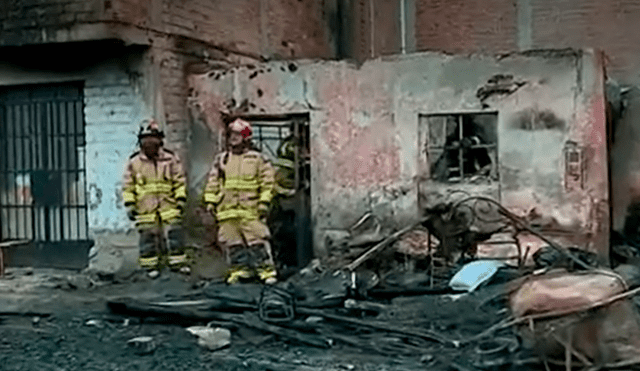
<point x="608" y="25"/>
<point x="284" y="28"/>
<point x="138" y="12"/>
<point x="171" y="81"/>
<point x="494" y="26"/>
<point x="297" y="28"/>
<point x="497" y="25"/>
<point x="465" y="26"/>
<point x="386" y="34"/>
<point x="234" y="24"/>
<point x="375" y="28"/>
<point x="22" y="14"/>
<point x="272" y="28"/>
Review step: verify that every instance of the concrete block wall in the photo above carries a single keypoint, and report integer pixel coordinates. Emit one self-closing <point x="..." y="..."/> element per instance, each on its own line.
<point x="116" y="100"/>
<point x="113" y="110"/>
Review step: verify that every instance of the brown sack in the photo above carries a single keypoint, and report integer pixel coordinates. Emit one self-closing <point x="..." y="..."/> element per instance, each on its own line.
<point x="607" y="334"/>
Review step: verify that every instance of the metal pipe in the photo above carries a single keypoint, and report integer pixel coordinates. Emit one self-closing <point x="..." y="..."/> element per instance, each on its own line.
<point x="372" y="16"/>
<point x="403" y="26"/>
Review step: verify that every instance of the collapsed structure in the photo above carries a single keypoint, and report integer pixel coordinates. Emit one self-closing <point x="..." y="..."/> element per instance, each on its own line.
<point x="401" y="135"/>
<point x="410" y="165"/>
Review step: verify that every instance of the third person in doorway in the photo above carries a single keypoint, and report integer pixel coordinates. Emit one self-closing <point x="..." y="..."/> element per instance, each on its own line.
<point x="238" y="193"/>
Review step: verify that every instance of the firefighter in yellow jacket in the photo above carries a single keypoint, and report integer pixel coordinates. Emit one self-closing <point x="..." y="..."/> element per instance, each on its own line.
<point x="238" y="193"/>
<point x="154" y="194"/>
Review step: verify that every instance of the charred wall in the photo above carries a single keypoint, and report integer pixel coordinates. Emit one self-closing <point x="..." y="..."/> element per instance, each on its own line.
<point x="365" y="128"/>
<point x="114" y="100"/>
<point x="498" y="26"/>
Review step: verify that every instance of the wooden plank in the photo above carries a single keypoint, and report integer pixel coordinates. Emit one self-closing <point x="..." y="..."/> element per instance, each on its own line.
<point x="356" y="263"/>
<point x="189" y="311"/>
<point x="7" y="244"/>
<point x="13" y="243"/>
<point x="425" y="334"/>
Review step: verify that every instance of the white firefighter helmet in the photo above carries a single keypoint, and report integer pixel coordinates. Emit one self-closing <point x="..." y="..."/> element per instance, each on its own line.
<point x="150" y="128"/>
<point x="243" y="127"/>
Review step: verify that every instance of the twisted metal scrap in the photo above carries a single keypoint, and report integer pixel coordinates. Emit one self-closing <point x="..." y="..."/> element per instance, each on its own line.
<point x="507" y="216"/>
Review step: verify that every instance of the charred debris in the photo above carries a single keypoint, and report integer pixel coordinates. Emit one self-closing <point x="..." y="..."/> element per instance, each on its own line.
<point x="425" y="291"/>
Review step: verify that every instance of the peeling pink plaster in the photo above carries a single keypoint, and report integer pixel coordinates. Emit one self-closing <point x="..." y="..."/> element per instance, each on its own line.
<point x="209" y="104"/>
<point x="362" y="155"/>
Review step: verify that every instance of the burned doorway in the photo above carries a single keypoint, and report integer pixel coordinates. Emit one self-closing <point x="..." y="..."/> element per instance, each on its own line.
<point x="290" y="217"/>
<point x="42" y="175"/>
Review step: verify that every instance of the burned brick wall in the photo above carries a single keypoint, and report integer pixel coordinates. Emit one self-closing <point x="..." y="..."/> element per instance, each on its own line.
<point x="366" y="121"/>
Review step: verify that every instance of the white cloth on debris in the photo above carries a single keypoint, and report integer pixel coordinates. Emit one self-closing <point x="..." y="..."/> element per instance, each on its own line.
<point x="475" y="274"/>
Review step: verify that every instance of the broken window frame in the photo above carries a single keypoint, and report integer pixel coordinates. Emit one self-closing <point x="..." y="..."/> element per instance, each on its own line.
<point x="430" y="150"/>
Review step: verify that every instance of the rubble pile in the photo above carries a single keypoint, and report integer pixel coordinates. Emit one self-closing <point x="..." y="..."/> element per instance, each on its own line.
<point x="409" y="295"/>
<point x="424" y="295"/>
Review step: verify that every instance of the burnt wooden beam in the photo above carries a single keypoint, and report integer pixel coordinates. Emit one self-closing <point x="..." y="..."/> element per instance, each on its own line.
<point x="206" y="313"/>
<point x="428" y="335"/>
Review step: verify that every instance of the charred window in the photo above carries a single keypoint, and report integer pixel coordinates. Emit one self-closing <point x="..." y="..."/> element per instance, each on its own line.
<point x="460" y="147"/>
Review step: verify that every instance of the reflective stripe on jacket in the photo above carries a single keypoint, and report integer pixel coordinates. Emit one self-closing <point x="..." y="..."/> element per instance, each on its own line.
<point x="154" y="189"/>
<point x="285" y="178"/>
<point x="237" y="184"/>
<point x="285" y="168"/>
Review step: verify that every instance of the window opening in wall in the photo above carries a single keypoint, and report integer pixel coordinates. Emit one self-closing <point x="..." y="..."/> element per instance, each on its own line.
<point x="460" y="147"/>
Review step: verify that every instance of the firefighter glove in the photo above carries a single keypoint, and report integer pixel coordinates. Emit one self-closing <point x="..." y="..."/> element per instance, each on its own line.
<point x="263" y="209"/>
<point x="131" y="213"/>
<point x="211" y="208"/>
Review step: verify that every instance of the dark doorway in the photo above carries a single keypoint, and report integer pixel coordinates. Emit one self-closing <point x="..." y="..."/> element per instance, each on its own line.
<point x="42" y="174"/>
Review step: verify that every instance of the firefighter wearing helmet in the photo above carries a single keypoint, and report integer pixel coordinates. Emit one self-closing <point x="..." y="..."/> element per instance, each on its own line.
<point x="288" y="194"/>
<point x="238" y="192"/>
<point x="155" y="194"/>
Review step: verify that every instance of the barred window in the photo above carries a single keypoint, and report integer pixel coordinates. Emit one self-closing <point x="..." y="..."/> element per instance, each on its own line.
<point x="460" y="147"/>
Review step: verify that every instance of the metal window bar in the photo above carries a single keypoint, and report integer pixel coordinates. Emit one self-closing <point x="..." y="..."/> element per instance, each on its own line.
<point x="296" y="134"/>
<point x="431" y="149"/>
<point x="460" y="154"/>
<point x="42" y="169"/>
<point x="265" y="137"/>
